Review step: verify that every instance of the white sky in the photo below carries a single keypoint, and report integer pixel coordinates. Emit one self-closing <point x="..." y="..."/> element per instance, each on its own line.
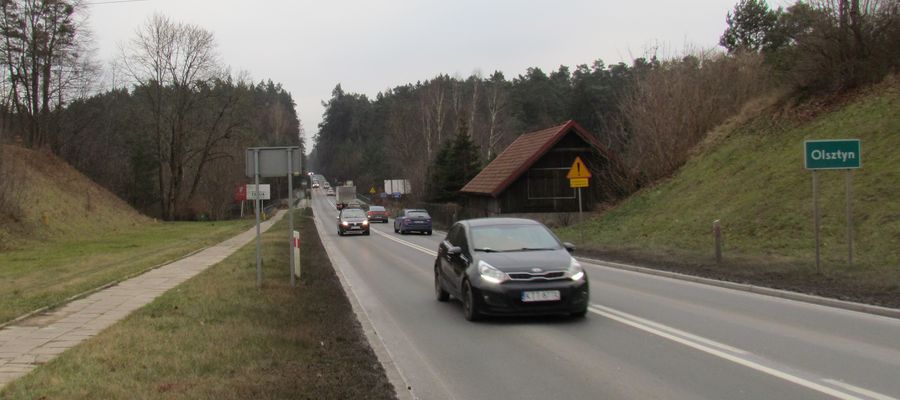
<point x="368" y="46"/>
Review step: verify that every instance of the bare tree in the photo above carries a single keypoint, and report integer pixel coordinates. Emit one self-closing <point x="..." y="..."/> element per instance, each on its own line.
<point x="44" y="52"/>
<point x="171" y="62"/>
<point x="434" y="112"/>
<point x="672" y="107"/>
<point x="498" y="100"/>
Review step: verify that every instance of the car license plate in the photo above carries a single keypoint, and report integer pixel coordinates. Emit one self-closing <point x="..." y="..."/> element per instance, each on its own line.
<point x="355" y="227"/>
<point x="540" y="295"/>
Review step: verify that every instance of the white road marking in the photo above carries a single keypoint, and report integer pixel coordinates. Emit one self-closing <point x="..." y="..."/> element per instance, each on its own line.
<point x="723" y="351"/>
<point x="672" y="330"/>
<point x="864" y="392"/>
<point x="407" y="244"/>
<point x="730" y="357"/>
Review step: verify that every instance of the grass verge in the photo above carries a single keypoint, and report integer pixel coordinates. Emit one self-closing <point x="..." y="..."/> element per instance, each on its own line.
<point x="45" y="274"/>
<point x="753" y="180"/>
<point x="218" y="336"/>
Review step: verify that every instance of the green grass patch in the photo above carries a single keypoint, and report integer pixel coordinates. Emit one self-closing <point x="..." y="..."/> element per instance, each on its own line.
<point x="44" y="274"/>
<point x="217" y="336"/>
<point x="753" y="180"/>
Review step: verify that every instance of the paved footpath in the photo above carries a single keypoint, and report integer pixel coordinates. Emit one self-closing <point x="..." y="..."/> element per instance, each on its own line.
<point x="28" y="344"/>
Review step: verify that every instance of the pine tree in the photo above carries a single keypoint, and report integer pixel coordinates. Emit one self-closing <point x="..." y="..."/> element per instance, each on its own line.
<point x="456" y="164"/>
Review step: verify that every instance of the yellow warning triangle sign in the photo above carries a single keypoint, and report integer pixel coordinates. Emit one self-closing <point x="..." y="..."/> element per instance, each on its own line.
<point x="578" y="170"/>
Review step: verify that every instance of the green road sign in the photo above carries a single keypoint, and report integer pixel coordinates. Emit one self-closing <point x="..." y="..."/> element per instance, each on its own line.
<point x="832" y="154"/>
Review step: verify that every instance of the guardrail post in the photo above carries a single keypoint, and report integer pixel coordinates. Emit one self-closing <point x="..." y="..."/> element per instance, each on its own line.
<point x="717" y="233"/>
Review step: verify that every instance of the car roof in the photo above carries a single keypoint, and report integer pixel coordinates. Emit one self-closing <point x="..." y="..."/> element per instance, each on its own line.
<point x="376" y="208"/>
<point x="499" y="221"/>
<point x="416" y="209"/>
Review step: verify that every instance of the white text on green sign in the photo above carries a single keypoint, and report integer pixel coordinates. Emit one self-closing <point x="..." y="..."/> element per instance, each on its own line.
<point x="832" y="154"/>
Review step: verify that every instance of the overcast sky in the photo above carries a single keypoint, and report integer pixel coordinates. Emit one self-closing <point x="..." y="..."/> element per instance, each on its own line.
<point x="368" y="46"/>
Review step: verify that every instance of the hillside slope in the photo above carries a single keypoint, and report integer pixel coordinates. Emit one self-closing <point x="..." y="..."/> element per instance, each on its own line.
<point x="46" y="199"/>
<point x="752" y="178"/>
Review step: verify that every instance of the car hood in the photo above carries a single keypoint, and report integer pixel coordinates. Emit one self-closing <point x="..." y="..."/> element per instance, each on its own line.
<point x="353" y="219"/>
<point x="524" y="261"/>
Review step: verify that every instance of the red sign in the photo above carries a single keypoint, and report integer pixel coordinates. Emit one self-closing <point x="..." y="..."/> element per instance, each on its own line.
<point x="240" y="193"/>
<point x="295" y="242"/>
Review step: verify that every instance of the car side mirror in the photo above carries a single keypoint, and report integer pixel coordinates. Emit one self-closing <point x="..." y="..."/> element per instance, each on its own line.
<point x="454" y="251"/>
<point x="569" y="247"/>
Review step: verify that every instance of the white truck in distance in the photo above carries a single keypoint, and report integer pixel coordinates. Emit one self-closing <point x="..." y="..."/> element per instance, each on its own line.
<point x="345" y="195"/>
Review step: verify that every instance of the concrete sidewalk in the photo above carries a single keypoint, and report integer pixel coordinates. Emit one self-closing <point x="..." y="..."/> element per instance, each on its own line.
<point x="32" y="342"/>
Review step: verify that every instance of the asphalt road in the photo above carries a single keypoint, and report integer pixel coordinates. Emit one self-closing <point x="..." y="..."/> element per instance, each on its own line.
<point x="646" y="337"/>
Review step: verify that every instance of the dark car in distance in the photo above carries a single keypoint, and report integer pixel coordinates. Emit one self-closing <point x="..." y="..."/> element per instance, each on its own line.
<point x="412" y="220"/>
<point x="377" y="213"/>
<point x="509" y="266"/>
<point x="352" y="220"/>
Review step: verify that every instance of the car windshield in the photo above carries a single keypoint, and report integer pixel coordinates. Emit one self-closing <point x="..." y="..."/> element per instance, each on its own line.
<point x="418" y="214"/>
<point x="513" y="238"/>
<point x="376" y="208"/>
<point x="353" y="213"/>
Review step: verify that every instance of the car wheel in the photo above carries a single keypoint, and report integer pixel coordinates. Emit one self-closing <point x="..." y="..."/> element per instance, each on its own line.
<point x="439" y="291"/>
<point x="428" y="233"/>
<point x="396" y="230"/>
<point x="366" y="233"/>
<point x="402" y="232"/>
<point x="340" y="233"/>
<point x="470" y="306"/>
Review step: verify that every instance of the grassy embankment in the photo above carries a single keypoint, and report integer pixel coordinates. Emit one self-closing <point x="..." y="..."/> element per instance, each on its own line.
<point x="217" y="336"/>
<point x="61" y="234"/>
<point x="751" y="177"/>
<point x="46" y="274"/>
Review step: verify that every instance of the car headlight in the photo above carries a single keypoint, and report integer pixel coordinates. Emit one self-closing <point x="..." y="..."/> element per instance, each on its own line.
<point x="365" y="222"/>
<point x="345" y="223"/>
<point x="575" y="271"/>
<point x="491" y="274"/>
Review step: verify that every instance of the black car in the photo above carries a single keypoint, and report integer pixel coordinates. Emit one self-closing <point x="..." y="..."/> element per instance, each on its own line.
<point x="352" y="220"/>
<point x="509" y="266"/>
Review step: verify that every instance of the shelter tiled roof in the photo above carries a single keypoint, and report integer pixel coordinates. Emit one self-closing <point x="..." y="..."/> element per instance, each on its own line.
<point x="520" y="155"/>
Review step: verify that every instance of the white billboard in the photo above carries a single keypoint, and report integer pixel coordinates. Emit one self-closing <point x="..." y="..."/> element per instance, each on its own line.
<point x="401" y="186"/>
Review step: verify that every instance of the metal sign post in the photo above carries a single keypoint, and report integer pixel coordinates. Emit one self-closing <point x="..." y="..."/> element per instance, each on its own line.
<point x="290" y="175"/>
<point x="273" y="162"/>
<point x="843" y="154"/>
<point x="849" y="183"/>
<point x="580" y="219"/>
<point x="815" y="184"/>
<point x="256" y="205"/>
<point x="579" y="177"/>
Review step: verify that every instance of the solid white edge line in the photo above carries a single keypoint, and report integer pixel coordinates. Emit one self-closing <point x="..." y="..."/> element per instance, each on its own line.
<point x="729" y="357"/>
<point x="403" y="390"/>
<point x="864" y="392"/>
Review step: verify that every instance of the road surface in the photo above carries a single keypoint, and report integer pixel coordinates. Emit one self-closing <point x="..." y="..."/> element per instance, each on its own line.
<point x="646" y="337"/>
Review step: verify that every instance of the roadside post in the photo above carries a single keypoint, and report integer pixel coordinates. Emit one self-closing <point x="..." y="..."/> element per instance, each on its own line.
<point x="290" y="175"/>
<point x="717" y="234"/>
<point x="257" y="193"/>
<point x="295" y="253"/>
<point x="579" y="177"/>
<point x="845" y="154"/>
<point x="273" y="162"/>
